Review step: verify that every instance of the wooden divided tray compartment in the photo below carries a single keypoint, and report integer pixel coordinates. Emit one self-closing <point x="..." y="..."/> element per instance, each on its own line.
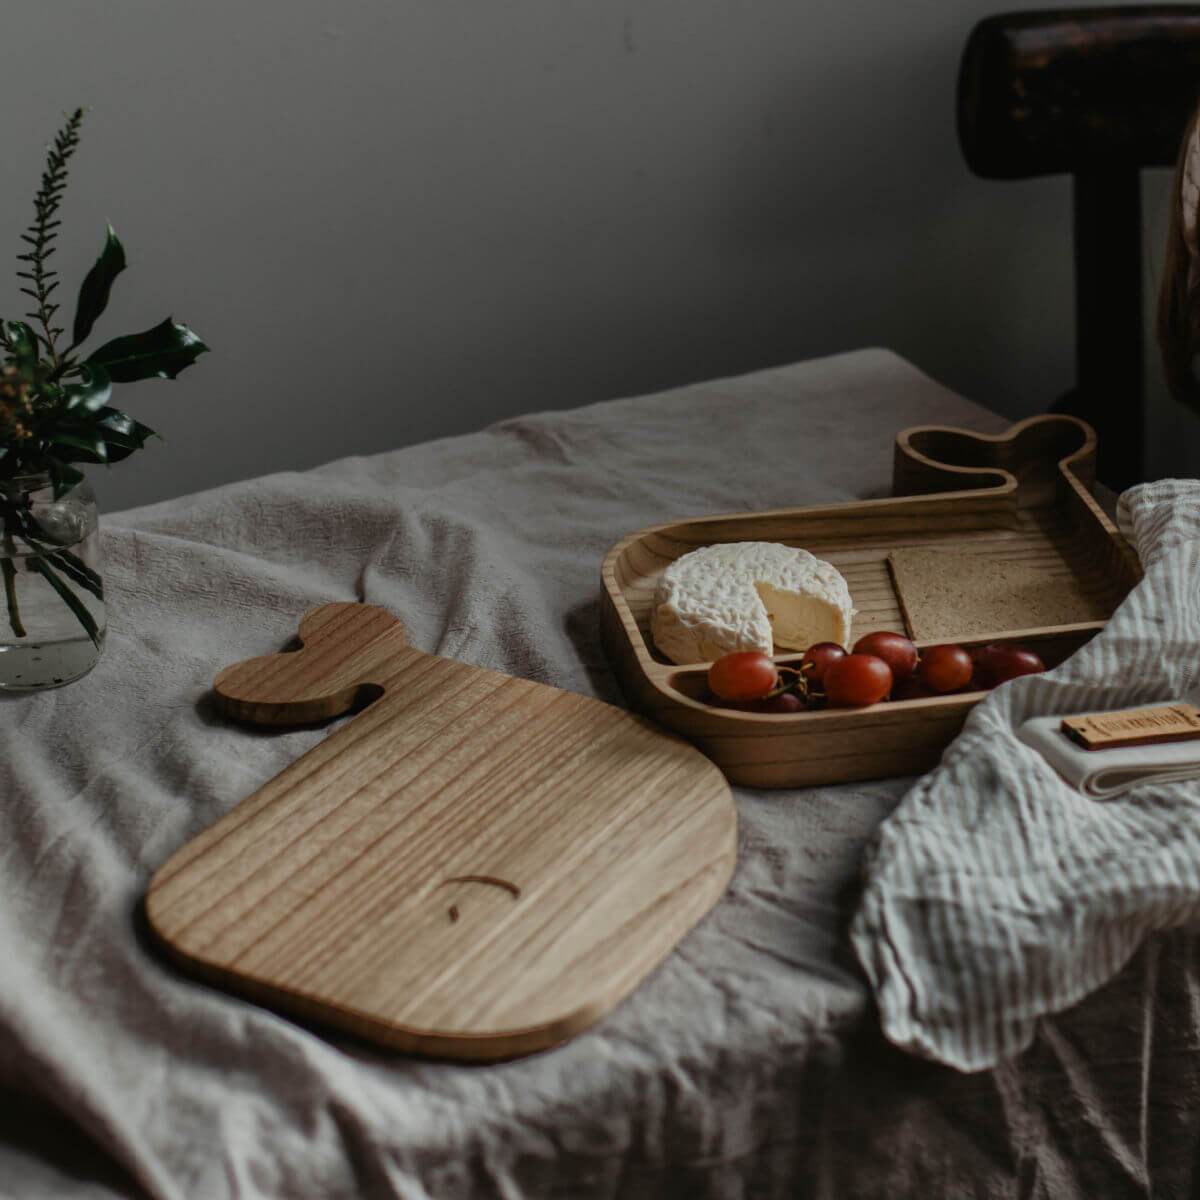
<point x="1018" y="503"/>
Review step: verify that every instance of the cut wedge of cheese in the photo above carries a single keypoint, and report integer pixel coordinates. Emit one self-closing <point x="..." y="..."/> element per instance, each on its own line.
<point x="748" y="596"/>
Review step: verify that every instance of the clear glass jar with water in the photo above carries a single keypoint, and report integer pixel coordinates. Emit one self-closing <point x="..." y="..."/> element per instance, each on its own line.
<point x="52" y="616"/>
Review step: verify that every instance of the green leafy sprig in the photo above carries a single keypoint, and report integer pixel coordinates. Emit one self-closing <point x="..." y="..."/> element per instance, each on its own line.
<point x="55" y="406"/>
<point x="72" y="420"/>
<point x="42" y="233"/>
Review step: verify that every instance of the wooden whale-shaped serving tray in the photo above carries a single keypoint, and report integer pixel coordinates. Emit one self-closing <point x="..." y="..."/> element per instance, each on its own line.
<point x="1022" y="497"/>
<point x="473" y="867"/>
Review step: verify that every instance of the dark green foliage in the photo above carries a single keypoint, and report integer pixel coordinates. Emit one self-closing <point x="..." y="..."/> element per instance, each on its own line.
<point x="163" y="351"/>
<point x="55" y="407"/>
<point x="67" y="415"/>
<point x="93" y="294"/>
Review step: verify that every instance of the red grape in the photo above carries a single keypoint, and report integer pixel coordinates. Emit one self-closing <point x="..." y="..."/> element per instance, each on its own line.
<point x="946" y="668"/>
<point x="911" y="688"/>
<point x="857" y="680"/>
<point x="894" y="648"/>
<point x="817" y="660"/>
<point x="785" y="702"/>
<point x="746" y="675"/>
<point x="997" y="663"/>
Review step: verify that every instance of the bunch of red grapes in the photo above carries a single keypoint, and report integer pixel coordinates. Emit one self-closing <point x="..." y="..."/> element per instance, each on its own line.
<point x="881" y="666"/>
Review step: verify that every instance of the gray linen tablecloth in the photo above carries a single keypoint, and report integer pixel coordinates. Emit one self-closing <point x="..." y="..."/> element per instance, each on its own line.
<point x="750" y="1064"/>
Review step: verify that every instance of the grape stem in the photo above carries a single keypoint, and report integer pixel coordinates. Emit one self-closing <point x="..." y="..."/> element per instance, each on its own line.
<point x="798" y="684"/>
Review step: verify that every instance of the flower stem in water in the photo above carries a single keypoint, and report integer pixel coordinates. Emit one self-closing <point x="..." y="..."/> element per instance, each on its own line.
<point x="10" y="596"/>
<point x="72" y="601"/>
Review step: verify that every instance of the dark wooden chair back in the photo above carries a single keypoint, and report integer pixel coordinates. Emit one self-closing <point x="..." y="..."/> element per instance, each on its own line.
<point x="1096" y="93"/>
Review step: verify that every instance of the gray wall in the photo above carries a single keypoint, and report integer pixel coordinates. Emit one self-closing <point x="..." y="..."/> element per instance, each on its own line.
<point x="394" y="221"/>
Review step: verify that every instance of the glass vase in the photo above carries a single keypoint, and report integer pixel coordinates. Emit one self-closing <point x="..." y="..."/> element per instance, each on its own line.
<point x="52" y="617"/>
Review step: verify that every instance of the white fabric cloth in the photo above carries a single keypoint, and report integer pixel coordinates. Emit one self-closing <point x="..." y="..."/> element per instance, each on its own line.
<point x="1107" y="773"/>
<point x="997" y="893"/>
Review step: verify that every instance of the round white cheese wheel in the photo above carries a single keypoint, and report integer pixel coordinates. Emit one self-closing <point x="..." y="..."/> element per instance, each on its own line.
<point x="748" y="596"/>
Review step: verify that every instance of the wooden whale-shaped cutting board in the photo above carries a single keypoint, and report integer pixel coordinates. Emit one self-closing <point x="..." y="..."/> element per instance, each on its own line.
<point x="474" y="866"/>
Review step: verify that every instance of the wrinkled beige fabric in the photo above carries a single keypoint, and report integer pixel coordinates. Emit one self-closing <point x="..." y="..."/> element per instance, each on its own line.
<point x="749" y="1065"/>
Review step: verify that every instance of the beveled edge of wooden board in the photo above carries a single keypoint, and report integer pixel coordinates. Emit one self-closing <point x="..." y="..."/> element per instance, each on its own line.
<point x="993" y="488"/>
<point x="710" y="884"/>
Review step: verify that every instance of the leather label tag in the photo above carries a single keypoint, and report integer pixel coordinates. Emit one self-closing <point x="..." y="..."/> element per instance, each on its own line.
<point x="1134" y="727"/>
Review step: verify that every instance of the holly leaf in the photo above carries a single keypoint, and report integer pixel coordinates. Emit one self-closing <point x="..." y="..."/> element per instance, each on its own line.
<point x="161" y="352"/>
<point x="78" y="445"/>
<point x="94" y="291"/>
<point x="91" y="393"/>
<point x="122" y="434"/>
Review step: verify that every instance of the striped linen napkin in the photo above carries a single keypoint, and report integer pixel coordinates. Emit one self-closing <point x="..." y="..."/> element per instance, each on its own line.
<point x="1106" y="774"/>
<point x="996" y="893"/>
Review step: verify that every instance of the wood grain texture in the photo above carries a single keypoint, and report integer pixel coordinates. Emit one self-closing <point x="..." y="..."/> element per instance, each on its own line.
<point x="474" y="867"/>
<point x="1075" y="89"/>
<point x="1022" y="496"/>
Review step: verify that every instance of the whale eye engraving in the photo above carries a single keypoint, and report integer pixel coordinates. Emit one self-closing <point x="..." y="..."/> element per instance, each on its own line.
<point x="489" y="880"/>
<point x="511" y="888"/>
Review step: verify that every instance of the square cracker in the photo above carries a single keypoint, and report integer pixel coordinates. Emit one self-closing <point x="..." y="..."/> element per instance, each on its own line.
<point x="950" y="594"/>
